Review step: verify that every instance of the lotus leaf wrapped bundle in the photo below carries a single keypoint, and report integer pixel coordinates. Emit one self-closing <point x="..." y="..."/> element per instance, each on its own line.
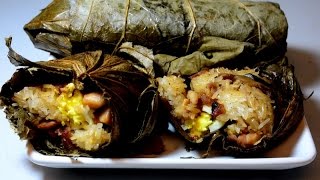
<point x="83" y="104"/>
<point x="242" y="112"/>
<point x="185" y="35"/>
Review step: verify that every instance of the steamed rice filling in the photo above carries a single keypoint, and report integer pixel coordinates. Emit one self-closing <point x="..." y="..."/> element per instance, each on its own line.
<point x="215" y="97"/>
<point x="64" y="105"/>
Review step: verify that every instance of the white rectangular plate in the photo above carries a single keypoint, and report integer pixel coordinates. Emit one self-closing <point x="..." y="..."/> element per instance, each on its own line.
<point x="298" y="150"/>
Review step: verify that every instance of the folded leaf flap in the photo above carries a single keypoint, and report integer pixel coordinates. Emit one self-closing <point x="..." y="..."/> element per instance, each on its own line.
<point x="49" y="29"/>
<point x="78" y="63"/>
<point x="15" y="58"/>
<point x="147" y="111"/>
<point x="54" y="18"/>
<point x="213" y="51"/>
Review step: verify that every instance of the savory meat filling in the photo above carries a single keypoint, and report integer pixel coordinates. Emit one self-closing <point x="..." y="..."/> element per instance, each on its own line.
<point x="81" y="120"/>
<point x="218" y="96"/>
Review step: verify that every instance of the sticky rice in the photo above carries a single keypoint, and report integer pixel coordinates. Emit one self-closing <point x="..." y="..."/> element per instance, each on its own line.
<point x="64" y="106"/>
<point x="220" y="100"/>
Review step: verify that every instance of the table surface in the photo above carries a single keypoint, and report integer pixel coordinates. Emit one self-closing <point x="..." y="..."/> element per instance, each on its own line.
<point x="303" y="53"/>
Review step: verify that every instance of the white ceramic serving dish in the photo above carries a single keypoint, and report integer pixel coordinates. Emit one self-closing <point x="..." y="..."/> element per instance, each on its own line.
<point x="298" y="150"/>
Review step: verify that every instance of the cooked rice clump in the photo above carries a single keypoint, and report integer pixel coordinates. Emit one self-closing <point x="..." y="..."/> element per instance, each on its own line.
<point x="217" y="96"/>
<point x="64" y="104"/>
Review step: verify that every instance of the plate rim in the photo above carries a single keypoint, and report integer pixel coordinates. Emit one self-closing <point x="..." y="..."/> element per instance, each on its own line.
<point x="174" y="163"/>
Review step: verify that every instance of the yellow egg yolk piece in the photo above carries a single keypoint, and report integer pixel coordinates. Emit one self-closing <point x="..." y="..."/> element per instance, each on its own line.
<point x="199" y="125"/>
<point x="70" y="105"/>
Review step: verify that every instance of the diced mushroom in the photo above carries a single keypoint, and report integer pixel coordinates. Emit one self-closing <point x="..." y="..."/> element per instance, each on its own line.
<point x="93" y="100"/>
<point x="217" y="109"/>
